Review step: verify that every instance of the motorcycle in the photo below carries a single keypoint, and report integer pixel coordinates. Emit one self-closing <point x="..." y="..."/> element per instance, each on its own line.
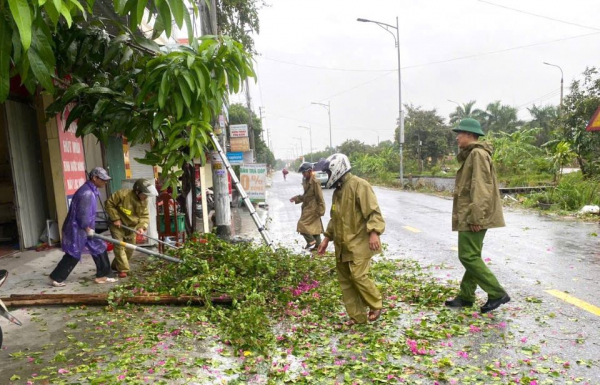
<point x="210" y="201"/>
<point x="3" y="311"/>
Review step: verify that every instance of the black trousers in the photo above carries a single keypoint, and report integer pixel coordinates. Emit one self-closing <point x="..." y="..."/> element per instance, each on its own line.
<point x="310" y="238"/>
<point x="68" y="263"/>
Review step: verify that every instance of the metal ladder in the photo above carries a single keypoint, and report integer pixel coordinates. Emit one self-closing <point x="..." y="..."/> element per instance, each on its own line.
<point x="261" y="228"/>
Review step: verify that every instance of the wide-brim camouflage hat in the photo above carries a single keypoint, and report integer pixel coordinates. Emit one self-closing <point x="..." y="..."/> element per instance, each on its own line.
<point x="469" y="125"/>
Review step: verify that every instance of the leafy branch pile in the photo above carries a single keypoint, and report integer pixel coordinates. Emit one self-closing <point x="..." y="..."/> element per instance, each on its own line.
<point x="262" y="283"/>
<point x="286" y="327"/>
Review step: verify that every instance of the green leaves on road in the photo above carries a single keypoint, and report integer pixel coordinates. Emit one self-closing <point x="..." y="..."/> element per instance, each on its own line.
<point x="286" y="327"/>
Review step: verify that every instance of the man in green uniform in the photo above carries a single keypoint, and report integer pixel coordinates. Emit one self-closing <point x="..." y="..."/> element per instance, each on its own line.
<point x="477" y="207"/>
<point x="313" y="208"/>
<point x="355" y="226"/>
<point x="129" y="208"/>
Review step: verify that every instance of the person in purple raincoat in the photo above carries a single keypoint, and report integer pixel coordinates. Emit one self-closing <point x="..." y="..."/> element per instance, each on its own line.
<point x="80" y="220"/>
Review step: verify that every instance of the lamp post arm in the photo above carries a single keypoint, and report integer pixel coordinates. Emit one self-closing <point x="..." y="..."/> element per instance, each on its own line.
<point x="388" y="30"/>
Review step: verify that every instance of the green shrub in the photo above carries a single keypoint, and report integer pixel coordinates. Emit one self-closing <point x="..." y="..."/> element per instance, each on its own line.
<point x="572" y="193"/>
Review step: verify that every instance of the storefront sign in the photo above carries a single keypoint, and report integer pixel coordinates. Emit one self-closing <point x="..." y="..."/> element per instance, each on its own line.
<point x="126" y="159"/>
<point x="239" y="144"/>
<point x="71" y="154"/>
<point x="217" y="163"/>
<point x="253" y="179"/>
<point x="235" y="158"/>
<point x="238" y="131"/>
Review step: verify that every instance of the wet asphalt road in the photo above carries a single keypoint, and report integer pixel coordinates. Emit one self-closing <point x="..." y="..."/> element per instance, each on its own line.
<point x="532" y="255"/>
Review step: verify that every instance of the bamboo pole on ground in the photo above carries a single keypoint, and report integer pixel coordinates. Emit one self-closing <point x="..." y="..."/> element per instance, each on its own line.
<point x="23" y="300"/>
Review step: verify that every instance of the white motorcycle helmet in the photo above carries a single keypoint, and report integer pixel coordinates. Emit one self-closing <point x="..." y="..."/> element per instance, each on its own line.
<point x="336" y="166"/>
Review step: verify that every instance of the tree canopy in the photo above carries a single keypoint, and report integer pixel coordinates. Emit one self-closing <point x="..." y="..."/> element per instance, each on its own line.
<point x="28" y="29"/>
<point x="426" y="135"/>
<point x="124" y="84"/>
<point x="578" y="107"/>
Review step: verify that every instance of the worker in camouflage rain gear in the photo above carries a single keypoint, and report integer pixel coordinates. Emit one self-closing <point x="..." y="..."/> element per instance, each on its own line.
<point x="128" y="207"/>
<point x="477" y="207"/>
<point x="313" y="208"/>
<point x="355" y="226"/>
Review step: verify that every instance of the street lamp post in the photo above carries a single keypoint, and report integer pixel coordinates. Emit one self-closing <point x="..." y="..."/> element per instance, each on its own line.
<point x="452" y="101"/>
<point x="328" y="106"/>
<point x="310" y="134"/>
<point x="401" y="113"/>
<point x="561" y="86"/>
<point x="458" y="104"/>
<point x="377" y="136"/>
<point x="264" y="127"/>
<point x="301" y="150"/>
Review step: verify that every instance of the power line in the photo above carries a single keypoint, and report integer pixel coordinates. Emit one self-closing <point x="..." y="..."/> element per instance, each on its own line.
<point x="434" y="63"/>
<point x="342" y="92"/>
<point x="540" y="16"/>
<point x="357" y="86"/>
<point x="445" y="60"/>
<point x="297" y="120"/>
<point x="322" y="68"/>
<point x="500" y="51"/>
<point x="540" y="99"/>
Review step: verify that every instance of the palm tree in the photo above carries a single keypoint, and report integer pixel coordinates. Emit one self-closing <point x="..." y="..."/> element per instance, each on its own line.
<point x="500" y="118"/>
<point x="544" y="118"/>
<point x="465" y="111"/>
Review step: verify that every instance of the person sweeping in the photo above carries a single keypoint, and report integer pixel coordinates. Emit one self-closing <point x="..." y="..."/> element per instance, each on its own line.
<point x="128" y="207"/>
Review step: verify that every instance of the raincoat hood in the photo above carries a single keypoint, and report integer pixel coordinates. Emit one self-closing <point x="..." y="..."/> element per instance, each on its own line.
<point x="464" y="153"/>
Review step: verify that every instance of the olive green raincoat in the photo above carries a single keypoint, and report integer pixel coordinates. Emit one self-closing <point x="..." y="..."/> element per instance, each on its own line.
<point x="355" y="214"/>
<point x="476" y="195"/>
<point x="125" y="205"/>
<point x="313" y="207"/>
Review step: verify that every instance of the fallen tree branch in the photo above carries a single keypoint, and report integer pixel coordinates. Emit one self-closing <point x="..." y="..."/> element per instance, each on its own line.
<point x="22" y="300"/>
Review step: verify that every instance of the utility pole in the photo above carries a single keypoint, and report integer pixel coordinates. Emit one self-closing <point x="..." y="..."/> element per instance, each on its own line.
<point x="560" y="107"/>
<point x="220" y="181"/>
<point x="310" y="134"/>
<point x="264" y="127"/>
<point x="328" y="107"/>
<point x="301" y="149"/>
<point x="396" y="36"/>
<point x="250" y="125"/>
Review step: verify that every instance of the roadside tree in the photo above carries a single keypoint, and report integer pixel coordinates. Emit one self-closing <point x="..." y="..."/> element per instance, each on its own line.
<point x="467" y="110"/>
<point x="426" y="135"/>
<point x="578" y="107"/>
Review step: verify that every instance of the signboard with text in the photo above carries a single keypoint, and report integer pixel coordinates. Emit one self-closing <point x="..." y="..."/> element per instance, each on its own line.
<point x="238" y="130"/>
<point x="239" y="144"/>
<point x="235" y="158"/>
<point x="253" y="179"/>
<point x="217" y="163"/>
<point x="71" y="154"/>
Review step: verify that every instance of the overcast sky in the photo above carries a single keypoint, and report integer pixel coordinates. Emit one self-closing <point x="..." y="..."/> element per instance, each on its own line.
<point x="363" y="90"/>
